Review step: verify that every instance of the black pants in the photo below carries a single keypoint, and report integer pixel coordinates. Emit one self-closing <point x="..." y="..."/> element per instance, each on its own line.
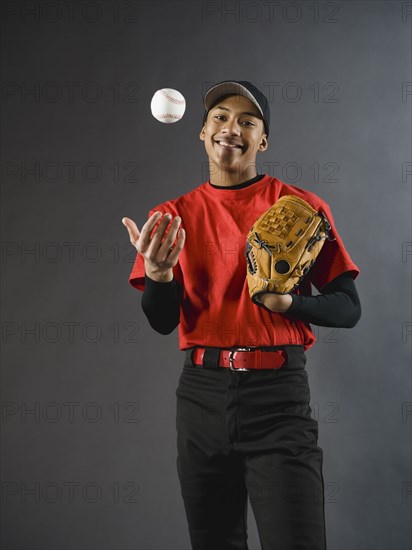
<point x="250" y="435"/>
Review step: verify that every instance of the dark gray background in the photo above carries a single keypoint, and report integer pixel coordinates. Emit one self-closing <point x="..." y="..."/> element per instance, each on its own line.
<point x="121" y="465"/>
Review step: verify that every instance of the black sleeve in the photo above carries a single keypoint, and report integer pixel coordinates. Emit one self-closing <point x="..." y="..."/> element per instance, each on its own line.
<point x="161" y="304"/>
<point x="338" y="305"/>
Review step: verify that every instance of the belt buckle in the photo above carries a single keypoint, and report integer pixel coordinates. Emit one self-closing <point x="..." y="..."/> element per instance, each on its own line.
<point x="232" y="367"/>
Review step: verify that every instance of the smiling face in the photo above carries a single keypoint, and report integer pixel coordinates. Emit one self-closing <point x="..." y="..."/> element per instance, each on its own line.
<point x="233" y="134"/>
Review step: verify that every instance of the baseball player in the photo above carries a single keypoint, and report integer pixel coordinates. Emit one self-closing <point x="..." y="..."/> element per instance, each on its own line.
<point x="244" y="424"/>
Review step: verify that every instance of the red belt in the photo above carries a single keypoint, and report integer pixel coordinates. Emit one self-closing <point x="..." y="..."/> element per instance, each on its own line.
<point x="245" y="358"/>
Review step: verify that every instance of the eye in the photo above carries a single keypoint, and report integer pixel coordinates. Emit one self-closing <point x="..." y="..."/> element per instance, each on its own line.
<point x="245" y="122"/>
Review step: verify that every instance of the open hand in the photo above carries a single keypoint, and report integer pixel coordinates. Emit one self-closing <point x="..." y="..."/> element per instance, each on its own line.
<point x="160" y="256"/>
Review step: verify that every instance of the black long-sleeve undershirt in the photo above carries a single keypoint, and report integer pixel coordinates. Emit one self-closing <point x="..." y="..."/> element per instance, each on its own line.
<point x="338" y="305"/>
<point x="161" y="304"/>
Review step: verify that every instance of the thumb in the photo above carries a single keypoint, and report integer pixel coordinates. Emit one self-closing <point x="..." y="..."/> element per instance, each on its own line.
<point x="132" y="229"/>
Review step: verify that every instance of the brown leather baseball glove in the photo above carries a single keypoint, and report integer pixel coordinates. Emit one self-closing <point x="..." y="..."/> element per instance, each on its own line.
<point x="282" y="245"/>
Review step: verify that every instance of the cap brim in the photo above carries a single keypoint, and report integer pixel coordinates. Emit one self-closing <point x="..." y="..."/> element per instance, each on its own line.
<point x="225" y="88"/>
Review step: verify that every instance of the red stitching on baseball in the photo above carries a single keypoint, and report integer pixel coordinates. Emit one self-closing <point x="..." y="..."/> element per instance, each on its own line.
<point x="173" y="99"/>
<point x="168" y="115"/>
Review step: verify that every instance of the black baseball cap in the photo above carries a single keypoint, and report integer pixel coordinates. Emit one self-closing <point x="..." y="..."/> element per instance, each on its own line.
<point x="238" y="87"/>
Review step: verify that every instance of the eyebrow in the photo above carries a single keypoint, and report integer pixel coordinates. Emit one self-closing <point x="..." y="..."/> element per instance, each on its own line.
<point x="244" y="113"/>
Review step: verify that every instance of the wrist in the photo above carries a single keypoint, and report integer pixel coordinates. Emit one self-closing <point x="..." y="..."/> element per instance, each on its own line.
<point x="160" y="276"/>
<point x="286" y="302"/>
<point x="295" y="304"/>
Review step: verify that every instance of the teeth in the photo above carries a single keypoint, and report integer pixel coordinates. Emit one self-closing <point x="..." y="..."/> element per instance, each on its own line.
<point x="227" y="144"/>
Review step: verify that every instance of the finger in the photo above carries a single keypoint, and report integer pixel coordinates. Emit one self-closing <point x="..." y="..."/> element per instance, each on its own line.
<point x="132" y="229"/>
<point x="149" y="225"/>
<point x="156" y="242"/>
<point x="144" y="237"/>
<point x="181" y="238"/>
<point x="170" y="238"/>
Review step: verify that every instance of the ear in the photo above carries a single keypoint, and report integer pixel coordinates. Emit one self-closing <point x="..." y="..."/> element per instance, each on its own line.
<point x="263" y="143"/>
<point x="202" y="133"/>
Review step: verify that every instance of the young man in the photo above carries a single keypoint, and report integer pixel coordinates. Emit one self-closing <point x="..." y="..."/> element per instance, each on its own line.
<point x="241" y="433"/>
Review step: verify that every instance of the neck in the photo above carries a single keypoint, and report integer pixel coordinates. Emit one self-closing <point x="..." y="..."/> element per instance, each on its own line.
<point x="227" y="178"/>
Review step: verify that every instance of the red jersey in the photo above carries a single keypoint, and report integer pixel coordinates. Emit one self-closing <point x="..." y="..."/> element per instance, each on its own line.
<point x="216" y="308"/>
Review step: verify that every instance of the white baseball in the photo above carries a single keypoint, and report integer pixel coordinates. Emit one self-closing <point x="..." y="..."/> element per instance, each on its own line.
<point x="168" y="105"/>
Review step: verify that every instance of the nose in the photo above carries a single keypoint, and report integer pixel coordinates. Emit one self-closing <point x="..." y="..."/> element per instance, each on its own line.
<point x="231" y="126"/>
